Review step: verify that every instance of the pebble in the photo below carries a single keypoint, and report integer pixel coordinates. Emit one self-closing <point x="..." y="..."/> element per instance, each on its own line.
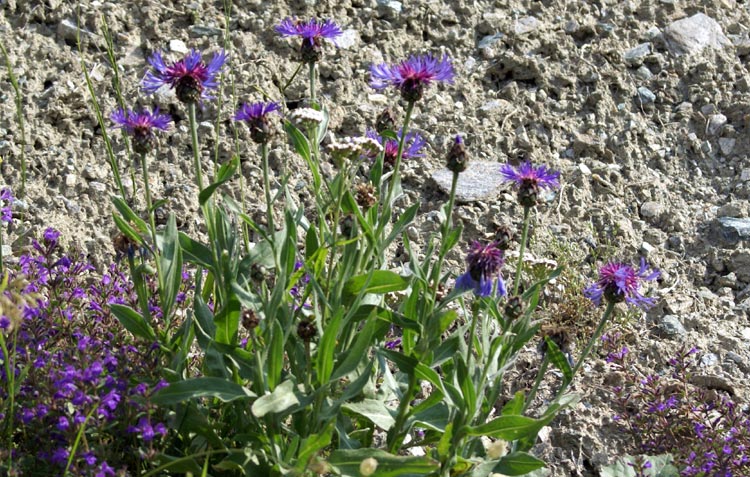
<point x="412" y="233"/>
<point x="709" y="359"/>
<point x="643" y="73"/>
<point x="178" y="46"/>
<point x="646" y="95"/>
<point x="715" y="123"/>
<point x="691" y="35"/>
<point x="635" y="56"/>
<point x="647" y="248"/>
<point x="726" y="145"/>
<point x="6" y="251"/>
<point x="68" y="30"/>
<point x="651" y="210"/>
<point x="671" y="327"/>
<point x="480" y="181"/>
<point x="203" y="30"/>
<point x="526" y="25"/>
<point x="489" y="41"/>
<point x="745" y="175"/>
<point x="348" y="39"/>
<point x="391" y="5"/>
<point x="97" y="187"/>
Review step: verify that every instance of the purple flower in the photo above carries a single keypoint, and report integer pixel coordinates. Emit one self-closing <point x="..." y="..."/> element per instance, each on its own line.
<point x="105" y="470"/>
<point x="620" y="282"/>
<point x="141" y="126"/>
<point x="412" y="76"/>
<point x="413" y="146"/>
<point x="191" y="77"/>
<point x="256" y="117"/>
<point x="529" y="180"/>
<point x="484" y="263"/>
<point x="6" y="196"/>
<point x="312" y="32"/>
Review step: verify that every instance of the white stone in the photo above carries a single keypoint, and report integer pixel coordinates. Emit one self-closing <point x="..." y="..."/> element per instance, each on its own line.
<point x="691" y="35"/>
<point x="526" y="25"/>
<point x="584" y="169"/>
<point x="348" y="39"/>
<point x="726" y="145"/>
<point x="715" y="123"/>
<point x="178" y="46"/>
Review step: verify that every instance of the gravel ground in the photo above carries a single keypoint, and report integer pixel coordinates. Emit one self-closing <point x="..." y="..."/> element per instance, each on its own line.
<point x="642" y="105"/>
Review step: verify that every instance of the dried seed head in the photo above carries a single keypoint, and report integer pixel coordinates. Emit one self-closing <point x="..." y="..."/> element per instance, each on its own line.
<point x="348" y="226"/>
<point x="250" y="319"/>
<point x="366" y="197"/>
<point x="306" y="330"/>
<point x="504" y="237"/>
<point x="514" y="307"/>
<point x="386" y="121"/>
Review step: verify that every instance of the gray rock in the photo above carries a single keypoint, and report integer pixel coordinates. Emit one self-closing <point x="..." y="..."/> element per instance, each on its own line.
<point x="646" y="95"/>
<point x="480" y="181"/>
<point x="730" y="230"/>
<point x="643" y="73"/>
<point x="670" y="327"/>
<point x="526" y="25"/>
<point x="197" y="31"/>
<point x="68" y="30"/>
<point x="691" y="35"/>
<point x="709" y="359"/>
<point x="391" y="6"/>
<point x="635" y="56"/>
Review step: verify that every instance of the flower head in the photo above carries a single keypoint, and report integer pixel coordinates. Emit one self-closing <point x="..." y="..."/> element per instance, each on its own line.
<point x="529" y="180"/>
<point x="6" y="196"/>
<point x="312" y="32"/>
<point x="484" y="263"/>
<point x="307" y="117"/>
<point x="619" y="282"/>
<point x="191" y="77"/>
<point x="141" y="126"/>
<point x="256" y="117"/>
<point x="413" y="146"/>
<point x="412" y="76"/>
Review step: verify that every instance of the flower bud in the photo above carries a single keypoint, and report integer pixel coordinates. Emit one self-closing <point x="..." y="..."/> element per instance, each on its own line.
<point x="514" y="307"/>
<point x="306" y="330"/>
<point x="366" y="197"/>
<point x="386" y="121"/>
<point x="250" y="319"/>
<point x="458" y="158"/>
<point x="348" y="226"/>
<point x="504" y="236"/>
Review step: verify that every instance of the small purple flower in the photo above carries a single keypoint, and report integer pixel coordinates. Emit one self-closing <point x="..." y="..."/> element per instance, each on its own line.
<point x="413" y="146"/>
<point x="256" y="117"/>
<point x="529" y="180"/>
<point x="484" y="263"/>
<point x="620" y="282"/>
<point x="141" y="125"/>
<point x="412" y="77"/>
<point x="312" y="32"/>
<point x="191" y="77"/>
<point x="6" y="196"/>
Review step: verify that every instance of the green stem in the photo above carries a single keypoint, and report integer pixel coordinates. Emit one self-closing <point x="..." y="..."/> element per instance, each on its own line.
<point x="537" y="382"/>
<point x="267" y="187"/>
<point x="397" y="165"/>
<point x="10" y="373"/>
<point x="445" y="229"/>
<point x="196" y="151"/>
<point x="597" y="334"/>
<point x="395" y="436"/>
<point x="522" y="249"/>
<point x="472" y="335"/>
<point x="312" y="84"/>
<point x="151" y="220"/>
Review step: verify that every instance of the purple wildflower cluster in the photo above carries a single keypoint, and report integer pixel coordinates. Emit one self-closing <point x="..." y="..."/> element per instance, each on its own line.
<point x="74" y="372"/>
<point x="141" y="126"/>
<point x="529" y="180"/>
<point x="6" y="200"/>
<point x="413" y="76"/>
<point x="620" y="282"/>
<point x="704" y="430"/>
<point x="255" y="115"/>
<point x="191" y="77"/>
<point x="312" y="32"/>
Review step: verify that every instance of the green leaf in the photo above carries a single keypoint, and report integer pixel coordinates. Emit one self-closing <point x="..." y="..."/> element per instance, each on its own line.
<point x="514" y="407"/>
<point x="558" y="359"/>
<point x="327" y="347"/>
<point x="467" y="386"/>
<point x="436" y="416"/>
<point x="516" y="463"/>
<point x="228" y="320"/>
<point x="382" y="281"/>
<point x="283" y="398"/>
<point x="374" y="410"/>
<point x="171" y="266"/>
<point x="444" y="445"/>
<point x="195" y="252"/>
<point x="133" y="322"/>
<point x="508" y="428"/>
<point x="356" y="353"/>
<point x="128" y="214"/>
<point x="405" y="219"/>
<point x="313" y="444"/>
<point x="347" y="462"/>
<point x="275" y="355"/>
<point x="218" y="388"/>
<point x="226" y="172"/>
<point x="128" y="231"/>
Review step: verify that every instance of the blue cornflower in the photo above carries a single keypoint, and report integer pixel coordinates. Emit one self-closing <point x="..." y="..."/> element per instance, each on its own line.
<point x="412" y="76"/>
<point x="484" y="263"/>
<point x="191" y="77"/>
<point x="413" y="146"/>
<point x="312" y="32"/>
<point x="256" y="117"/>
<point x="619" y="282"/>
<point x="141" y="126"/>
<point x="529" y="180"/>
